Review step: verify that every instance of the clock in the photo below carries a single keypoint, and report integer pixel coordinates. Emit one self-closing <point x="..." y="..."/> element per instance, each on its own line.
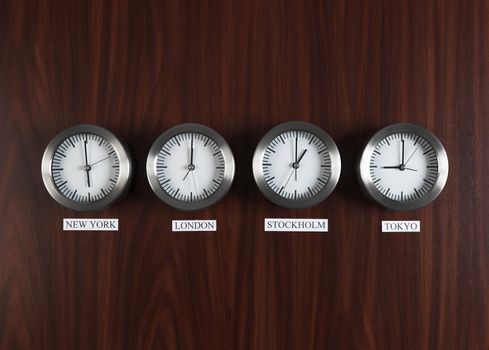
<point x="190" y="167"/>
<point x="403" y="167"/>
<point x="296" y="165"/>
<point x="86" y="167"/>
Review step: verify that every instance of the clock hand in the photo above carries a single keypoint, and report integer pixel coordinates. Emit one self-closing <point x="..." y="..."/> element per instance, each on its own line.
<point x="191" y="166"/>
<point x="87" y="167"/>
<point x="101" y="160"/>
<point x="295" y="166"/>
<point x="195" y="184"/>
<point x="188" y="172"/>
<point x="300" y="158"/>
<point x="402" y="161"/>
<point x="192" y="149"/>
<point x="412" y="154"/>
<point x="288" y="179"/>
<point x="296" y="139"/>
<point x="88" y="177"/>
<point x="399" y="167"/>
<point x="295" y="159"/>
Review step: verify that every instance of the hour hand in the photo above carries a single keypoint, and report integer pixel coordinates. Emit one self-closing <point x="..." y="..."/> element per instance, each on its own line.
<point x="398" y="167"/>
<point x="295" y="165"/>
<point x="302" y="155"/>
<point x="88" y="177"/>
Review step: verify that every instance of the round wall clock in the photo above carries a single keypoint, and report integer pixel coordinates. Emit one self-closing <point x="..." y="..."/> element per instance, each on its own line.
<point x="190" y="167"/>
<point x="403" y="167"/>
<point x="296" y="165"/>
<point x="86" y="167"/>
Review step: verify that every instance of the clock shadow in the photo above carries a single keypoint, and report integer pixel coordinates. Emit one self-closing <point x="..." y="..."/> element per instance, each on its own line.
<point x="138" y="145"/>
<point x="351" y="148"/>
<point x="243" y="146"/>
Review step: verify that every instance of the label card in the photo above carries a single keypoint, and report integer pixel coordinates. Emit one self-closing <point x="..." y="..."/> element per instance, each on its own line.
<point x="90" y="224"/>
<point x="296" y="225"/>
<point x="401" y="226"/>
<point x="193" y="225"/>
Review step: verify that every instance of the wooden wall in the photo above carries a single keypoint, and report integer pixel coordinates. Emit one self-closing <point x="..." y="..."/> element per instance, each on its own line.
<point x="241" y="67"/>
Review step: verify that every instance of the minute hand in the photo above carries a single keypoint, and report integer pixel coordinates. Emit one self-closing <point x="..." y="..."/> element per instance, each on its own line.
<point x="295" y="156"/>
<point x="192" y="150"/>
<point x="402" y="160"/>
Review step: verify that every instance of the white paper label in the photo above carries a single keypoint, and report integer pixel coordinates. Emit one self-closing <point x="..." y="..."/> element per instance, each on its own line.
<point x="90" y="224"/>
<point x="193" y="225"/>
<point x="401" y="226"/>
<point x="296" y="225"/>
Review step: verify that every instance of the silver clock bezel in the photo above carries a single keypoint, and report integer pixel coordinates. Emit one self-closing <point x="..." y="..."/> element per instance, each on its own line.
<point x="125" y="168"/>
<point x="229" y="167"/>
<point x="363" y="167"/>
<point x="260" y="177"/>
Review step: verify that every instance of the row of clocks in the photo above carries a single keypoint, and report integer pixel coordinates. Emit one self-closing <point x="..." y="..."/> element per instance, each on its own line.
<point x="295" y="165"/>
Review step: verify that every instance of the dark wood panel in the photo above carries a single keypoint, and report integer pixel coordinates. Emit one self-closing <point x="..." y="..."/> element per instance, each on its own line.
<point x="140" y="67"/>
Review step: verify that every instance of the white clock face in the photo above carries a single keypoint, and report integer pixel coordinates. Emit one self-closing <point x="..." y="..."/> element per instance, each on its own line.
<point x="85" y="168"/>
<point x="296" y="165"/>
<point x="404" y="167"/>
<point x="190" y="167"/>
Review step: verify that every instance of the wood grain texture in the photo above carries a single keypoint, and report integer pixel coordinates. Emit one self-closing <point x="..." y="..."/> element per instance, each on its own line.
<point x="241" y="67"/>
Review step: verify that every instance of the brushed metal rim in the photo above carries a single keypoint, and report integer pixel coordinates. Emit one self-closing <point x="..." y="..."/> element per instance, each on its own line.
<point x="363" y="168"/>
<point x="228" y="168"/>
<point x="125" y="168"/>
<point x="321" y="135"/>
